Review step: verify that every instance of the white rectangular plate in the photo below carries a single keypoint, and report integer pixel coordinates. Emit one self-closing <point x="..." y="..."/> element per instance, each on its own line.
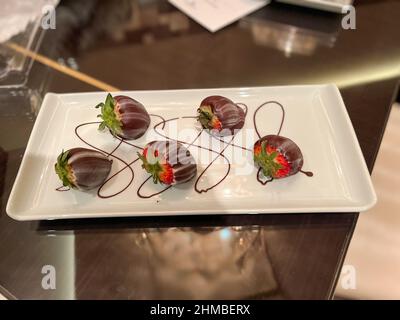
<point x="316" y="119"/>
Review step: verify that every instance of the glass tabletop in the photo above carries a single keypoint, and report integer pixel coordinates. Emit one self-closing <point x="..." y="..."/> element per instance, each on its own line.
<point x="150" y="45"/>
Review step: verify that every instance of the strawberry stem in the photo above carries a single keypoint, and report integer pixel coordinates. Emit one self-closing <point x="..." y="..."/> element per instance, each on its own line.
<point x="154" y="169"/>
<point x="267" y="161"/>
<point x="62" y="169"/>
<point x="205" y="116"/>
<point x="109" y="116"/>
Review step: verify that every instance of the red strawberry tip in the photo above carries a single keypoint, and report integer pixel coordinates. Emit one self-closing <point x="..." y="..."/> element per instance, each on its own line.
<point x="272" y="162"/>
<point x="161" y="172"/>
<point x="208" y="119"/>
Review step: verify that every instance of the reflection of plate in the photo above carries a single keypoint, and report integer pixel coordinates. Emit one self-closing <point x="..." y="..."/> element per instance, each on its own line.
<point x="316" y="119"/>
<point x="205" y="252"/>
<point x="293" y="31"/>
<point x="214" y="263"/>
<point x="287" y="38"/>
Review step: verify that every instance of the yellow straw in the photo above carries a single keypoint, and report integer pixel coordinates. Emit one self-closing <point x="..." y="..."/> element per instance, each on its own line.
<point x="64" y="69"/>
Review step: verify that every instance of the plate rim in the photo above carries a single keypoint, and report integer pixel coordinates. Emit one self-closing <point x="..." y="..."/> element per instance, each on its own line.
<point x="19" y="216"/>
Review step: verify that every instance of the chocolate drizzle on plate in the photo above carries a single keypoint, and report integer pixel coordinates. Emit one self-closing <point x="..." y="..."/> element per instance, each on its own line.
<point x="278" y="145"/>
<point x="263" y="182"/>
<point x="150" y="195"/>
<point x="128" y="166"/>
<point x="63" y="189"/>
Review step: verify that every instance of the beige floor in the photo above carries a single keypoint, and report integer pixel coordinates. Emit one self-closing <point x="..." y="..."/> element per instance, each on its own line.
<point x="375" y="248"/>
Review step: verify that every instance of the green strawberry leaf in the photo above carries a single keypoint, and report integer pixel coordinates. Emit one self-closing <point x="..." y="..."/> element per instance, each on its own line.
<point x="267" y="161"/>
<point x="154" y="169"/>
<point x="205" y="116"/>
<point x="102" y="126"/>
<point x="109" y="116"/>
<point x="62" y="169"/>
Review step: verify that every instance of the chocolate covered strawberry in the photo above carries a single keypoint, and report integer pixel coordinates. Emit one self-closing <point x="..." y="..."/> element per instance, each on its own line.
<point x="220" y="114"/>
<point x="169" y="162"/>
<point x="277" y="156"/>
<point x="83" y="169"/>
<point x="124" y="117"/>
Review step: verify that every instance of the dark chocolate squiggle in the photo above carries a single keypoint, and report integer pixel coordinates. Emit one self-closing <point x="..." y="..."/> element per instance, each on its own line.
<point x="63" y="189"/>
<point x="307" y="173"/>
<point x="200" y="147"/>
<point x="209" y="165"/>
<point x="261" y="180"/>
<point x="165" y="189"/>
<point x="245" y="109"/>
<point x="127" y="165"/>
<point x="219" y="154"/>
<point x="229" y="143"/>
<point x="162" y="123"/>
<point x="259" y="108"/>
<point x="151" y="195"/>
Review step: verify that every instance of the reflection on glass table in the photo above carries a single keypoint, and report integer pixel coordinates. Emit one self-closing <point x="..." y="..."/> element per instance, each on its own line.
<point x="208" y="263"/>
<point x="299" y="31"/>
<point x="15" y="67"/>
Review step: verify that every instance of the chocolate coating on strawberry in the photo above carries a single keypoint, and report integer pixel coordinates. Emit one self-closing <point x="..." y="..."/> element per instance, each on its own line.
<point x="82" y="168"/>
<point x="277" y="156"/>
<point x="221" y="114"/>
<point x="124" y="117"/>
<point x="169" y="162"/>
